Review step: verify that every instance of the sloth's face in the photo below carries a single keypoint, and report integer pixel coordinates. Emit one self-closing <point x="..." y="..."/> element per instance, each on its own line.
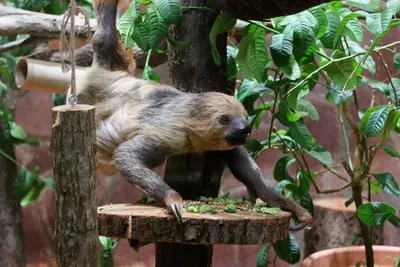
<point x="237" y="129"/>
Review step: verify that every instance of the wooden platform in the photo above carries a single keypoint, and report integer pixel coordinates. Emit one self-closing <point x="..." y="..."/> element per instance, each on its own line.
<point x="152" y="223"/>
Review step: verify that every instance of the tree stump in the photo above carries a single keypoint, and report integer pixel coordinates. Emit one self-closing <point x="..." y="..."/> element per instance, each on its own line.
<point x="335" y="226"/>
<point x="74" y="165"/>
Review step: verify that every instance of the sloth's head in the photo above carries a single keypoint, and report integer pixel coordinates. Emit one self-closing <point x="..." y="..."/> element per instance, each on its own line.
<point x="220" y="121"/>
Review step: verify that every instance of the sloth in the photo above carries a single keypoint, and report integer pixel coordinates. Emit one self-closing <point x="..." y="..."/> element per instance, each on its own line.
<point x="141" y="123"/>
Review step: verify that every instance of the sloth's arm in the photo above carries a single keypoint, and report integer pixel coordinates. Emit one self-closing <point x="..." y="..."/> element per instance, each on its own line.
<point x="134" y="159"/>
<point x="246" y="170"/>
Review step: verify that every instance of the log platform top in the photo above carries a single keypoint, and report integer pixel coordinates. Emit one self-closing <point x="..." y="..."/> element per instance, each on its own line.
<point x="145" y="222"/>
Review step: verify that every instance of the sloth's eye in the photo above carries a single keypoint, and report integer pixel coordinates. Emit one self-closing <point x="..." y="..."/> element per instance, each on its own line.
<point x="224" y="120"/>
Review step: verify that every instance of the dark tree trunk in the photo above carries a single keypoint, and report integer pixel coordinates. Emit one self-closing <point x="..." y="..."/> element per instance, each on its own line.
<point x="11" y="234"/>
<point x="74" y="165"/>
<point x="194" y="175"/>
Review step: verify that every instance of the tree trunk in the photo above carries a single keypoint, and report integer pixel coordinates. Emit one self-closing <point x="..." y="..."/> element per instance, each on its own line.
<point x="194" y="175"/>
<point x="11" y="234"/>
<point x="74" y="165"/>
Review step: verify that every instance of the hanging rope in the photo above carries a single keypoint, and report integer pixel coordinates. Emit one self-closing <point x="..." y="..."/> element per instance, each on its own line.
<point x="70" y="15"/>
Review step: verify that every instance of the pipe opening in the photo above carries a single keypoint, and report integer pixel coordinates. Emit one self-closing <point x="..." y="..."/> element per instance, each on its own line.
<point x="21" y="72"/>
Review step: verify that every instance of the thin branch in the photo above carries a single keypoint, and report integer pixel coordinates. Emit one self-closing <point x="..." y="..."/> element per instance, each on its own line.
<point x="389" y="77"/>
<point x="347" y="167"/>
<point x="14" y="21"/>
<point x="337" y="174"/>
<point x="351" y="122"/>
<point x="18" y="44"/>
<point x="373" y="97"/>
<point x="326" y="169"/>
<point x="346" y="139"/>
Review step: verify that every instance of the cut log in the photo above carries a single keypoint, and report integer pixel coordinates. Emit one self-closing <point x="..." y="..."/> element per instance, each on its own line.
<point x="335" y="226"/>
<point x="153" y="223"/>
<point x="74" y="166"/>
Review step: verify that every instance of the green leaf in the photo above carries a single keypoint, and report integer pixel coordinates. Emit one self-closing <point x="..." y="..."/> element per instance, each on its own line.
<point x="222" y="24"/>
<point x="320" y="153"/>
<point x="288" y="250"/>
<point x="354" y="30"/>
<point x="368" y="5"/>
<point x="307" y="106"/>
<point x="375" y="213"/>
<point x="341" y="70"/>
<point x="303" y="197"/>
<point x="249" y="91"/>
<point x="396" y="61"/>
<point x="395" y="221"/>
<point x="232" y="68"/>
<point x="299" y="132"/>
<point x="391" y="151"/>
<point x="262" y="257"/>
<point x="17" y="132"/>
<point x="387" y="183"/>
<point x="141" y="36"/>
<point x="328" y="39"/>
<point x="3" y="90"/>
<point x="374" y="186"/>
<point x="282" y="184"/>
<point x="304" y="45"/>
<point x="169" y="9"/>
<point x="377" y="23"/>
<point x="394" y="5"/>
<point x="322" y="20"/>
<point x="33" y="194"/>
<point x="158" y="27"/>
<point x="252" y="145"/>
<point x="230" y="208"/>
<point x="252" y="56"/>
<point x="149" y="74"/>
<point x="282" y="47"/>
<point x="342" y="26"/>
<point x="383" y="87"/>
<point x="396" y="83"/>
<point x="292" y="70"/>
<point x="23" y="182"/>
<point x="281" y="168"/>
<point x="376" y="121"/>
<point x="125" y="28"/>
<point x="366" y="116"/>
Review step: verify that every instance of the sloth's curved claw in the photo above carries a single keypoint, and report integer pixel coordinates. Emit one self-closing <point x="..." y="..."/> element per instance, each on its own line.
<point x="177" y="213"/>
<point x="174" y="203"/>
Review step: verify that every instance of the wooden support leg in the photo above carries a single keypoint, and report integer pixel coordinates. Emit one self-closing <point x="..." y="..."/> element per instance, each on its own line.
<point x="74" y="164"/>
<point x="175" y="254"/>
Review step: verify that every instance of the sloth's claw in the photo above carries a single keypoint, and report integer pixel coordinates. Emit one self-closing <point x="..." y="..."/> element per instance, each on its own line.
<point x="174" y="204"/>
<point x="177" y="213"/>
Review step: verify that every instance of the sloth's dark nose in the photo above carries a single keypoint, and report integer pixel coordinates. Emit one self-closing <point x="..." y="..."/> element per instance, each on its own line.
<point x="244" y="130"/>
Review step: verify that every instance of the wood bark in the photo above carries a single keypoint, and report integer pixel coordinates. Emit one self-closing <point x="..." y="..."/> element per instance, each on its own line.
<point x="74" y="166"/>
<point x="262" y="9"/>
<point x="241" y="228"/>
<point x="12" y="238"/>
<point x="335" y="226"/>
<point x="14" y="21"/>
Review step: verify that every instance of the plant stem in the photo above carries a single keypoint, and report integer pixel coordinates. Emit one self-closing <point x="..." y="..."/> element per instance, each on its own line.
<point x="346" y="139"/>
<point x="272" y="119"/>
<point x="148" y="58"/>
<point x="389" y="77"/>
<point x="2" y="152"/>
<point x="365" y="231"/>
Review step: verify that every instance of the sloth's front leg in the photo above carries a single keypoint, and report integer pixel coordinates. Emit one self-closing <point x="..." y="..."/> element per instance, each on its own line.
<point x="134" y="159"/>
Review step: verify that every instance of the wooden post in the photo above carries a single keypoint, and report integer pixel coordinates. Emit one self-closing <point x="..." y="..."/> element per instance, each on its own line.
<point x="74" y="164"/>
<point x="194" y="175"/>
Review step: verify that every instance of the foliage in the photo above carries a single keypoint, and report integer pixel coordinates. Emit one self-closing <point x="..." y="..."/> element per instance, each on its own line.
<point x="28" y="185"/>
<point x="106" y="257"/>
<point x="323" y="41"/>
